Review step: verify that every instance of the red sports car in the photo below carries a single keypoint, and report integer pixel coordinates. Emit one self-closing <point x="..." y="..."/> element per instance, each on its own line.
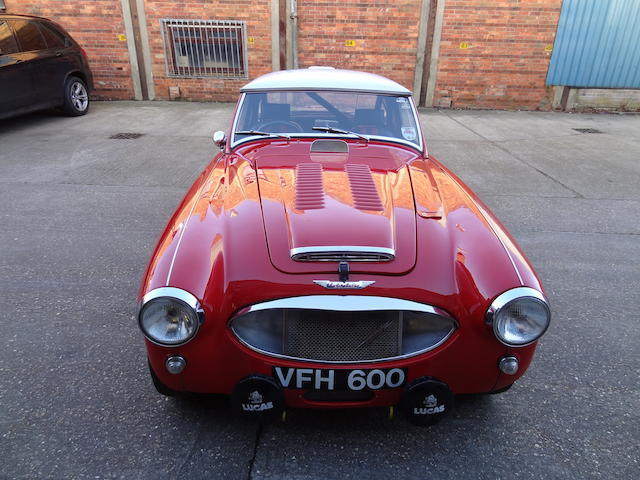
<point x="324" y="259"/>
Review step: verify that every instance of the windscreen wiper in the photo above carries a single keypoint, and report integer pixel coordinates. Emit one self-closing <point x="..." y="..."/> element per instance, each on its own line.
<point x="264" y="134"/>
<point x="338" y="130"/>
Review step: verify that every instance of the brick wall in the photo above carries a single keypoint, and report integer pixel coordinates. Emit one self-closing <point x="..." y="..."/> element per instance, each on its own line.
<point x="257" y="14"/>
<point x="385" y="34"/>
<point x="95" y="25"/>
<point x="505" y="64"/>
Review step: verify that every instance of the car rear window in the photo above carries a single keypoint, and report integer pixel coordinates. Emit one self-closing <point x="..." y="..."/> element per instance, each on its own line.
<point x="29" y="36"/>
<point x="54" y="38"/>
<point x="7" y="42"/>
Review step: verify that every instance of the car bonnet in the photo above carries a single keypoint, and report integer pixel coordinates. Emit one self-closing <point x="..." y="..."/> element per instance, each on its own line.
<point x="319" y="205"/>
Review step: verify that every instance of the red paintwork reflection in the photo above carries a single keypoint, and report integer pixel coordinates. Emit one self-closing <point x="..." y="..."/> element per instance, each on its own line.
<point x="337" y="193"/>
<point x="239" y="221"/>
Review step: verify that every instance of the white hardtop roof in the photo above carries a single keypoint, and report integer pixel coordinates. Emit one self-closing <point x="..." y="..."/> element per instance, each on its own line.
<point x="325" y="78"/>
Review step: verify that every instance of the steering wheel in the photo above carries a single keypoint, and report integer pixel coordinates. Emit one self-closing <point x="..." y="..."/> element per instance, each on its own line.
<point x="285" y="123"/>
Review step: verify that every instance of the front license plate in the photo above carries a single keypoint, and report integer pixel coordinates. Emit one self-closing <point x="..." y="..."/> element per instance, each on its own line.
<point x="339" y="379"/>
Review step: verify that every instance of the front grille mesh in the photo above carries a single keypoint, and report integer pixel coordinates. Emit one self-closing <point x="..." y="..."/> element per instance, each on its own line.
<point x="342" y="336"/>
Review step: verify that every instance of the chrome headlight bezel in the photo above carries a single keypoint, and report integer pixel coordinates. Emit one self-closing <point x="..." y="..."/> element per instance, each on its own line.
<point x="508" y="298"/>
<point x="182" y="299"/>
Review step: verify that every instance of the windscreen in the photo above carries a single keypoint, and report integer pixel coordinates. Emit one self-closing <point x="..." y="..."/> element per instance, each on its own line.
<point x="317" y="112"/>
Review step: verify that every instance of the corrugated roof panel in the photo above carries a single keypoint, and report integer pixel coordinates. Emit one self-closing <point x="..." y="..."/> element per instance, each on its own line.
<point x="597" y="45"/>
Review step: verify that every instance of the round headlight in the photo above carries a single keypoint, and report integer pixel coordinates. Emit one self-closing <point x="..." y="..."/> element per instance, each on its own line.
<point x="169" y="316"/>
<point x="519" y="316"/>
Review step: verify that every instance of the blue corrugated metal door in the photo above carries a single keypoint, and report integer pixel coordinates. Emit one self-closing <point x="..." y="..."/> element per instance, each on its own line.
<point x="597" y="45"/>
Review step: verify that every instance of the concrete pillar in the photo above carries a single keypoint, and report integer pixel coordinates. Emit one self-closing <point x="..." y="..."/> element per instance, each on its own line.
<point x="421" y="50"/>
<point x="135" y="26"/>
<point x="131" y="47"/>
<point x="275" y="35"/>
<point x="435" y="53"/>
<point x="146" y="50"/>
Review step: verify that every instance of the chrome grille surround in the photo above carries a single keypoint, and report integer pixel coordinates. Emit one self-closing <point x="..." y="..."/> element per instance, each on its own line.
<point x="342" y="329"/>
<point x="346" y="253"/>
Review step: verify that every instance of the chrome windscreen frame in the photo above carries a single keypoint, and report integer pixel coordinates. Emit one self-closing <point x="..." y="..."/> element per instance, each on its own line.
<point x="345" y="303"/>
<point x="233" y="142"/>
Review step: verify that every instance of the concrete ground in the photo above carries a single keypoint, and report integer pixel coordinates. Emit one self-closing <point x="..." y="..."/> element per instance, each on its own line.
<point x="81" y="213"/>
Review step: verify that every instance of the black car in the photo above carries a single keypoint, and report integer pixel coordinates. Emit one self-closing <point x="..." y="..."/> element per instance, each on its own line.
<point x="41" y="66"/>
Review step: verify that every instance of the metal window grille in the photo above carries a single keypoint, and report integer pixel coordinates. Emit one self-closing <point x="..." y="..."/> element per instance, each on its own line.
<point x="205" y="48"/>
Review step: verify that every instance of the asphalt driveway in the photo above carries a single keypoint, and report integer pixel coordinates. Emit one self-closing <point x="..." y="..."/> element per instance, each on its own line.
<point x="81" y="212"/>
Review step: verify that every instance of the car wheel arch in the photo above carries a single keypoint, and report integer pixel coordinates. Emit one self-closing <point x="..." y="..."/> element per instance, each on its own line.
<point x="75" y="73"/>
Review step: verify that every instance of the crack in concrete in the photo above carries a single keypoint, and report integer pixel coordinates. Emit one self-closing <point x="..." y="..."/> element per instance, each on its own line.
<point x="191" y="451"/>
<point x="255" y="451"/>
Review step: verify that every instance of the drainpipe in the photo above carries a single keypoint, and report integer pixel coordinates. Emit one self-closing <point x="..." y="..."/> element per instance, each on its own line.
<point x="292" y="34"/>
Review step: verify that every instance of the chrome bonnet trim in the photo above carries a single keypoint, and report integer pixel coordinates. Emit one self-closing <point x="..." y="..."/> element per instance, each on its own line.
<point x="351" y="251"/>
<point x="345" y="303"/>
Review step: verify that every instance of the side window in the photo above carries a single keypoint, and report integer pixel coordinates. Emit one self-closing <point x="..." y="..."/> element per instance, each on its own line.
<point x="53" y="37"/>
<point x="29" y="36"/>
<point x="7" y="42"/>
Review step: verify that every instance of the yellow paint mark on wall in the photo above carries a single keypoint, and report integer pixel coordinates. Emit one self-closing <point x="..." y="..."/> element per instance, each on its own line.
<point x="252" y="40"/>
<point x="122" y="38"/>
<point x="349" y="43"/>
<point x="548" y="48"/>
<point x="464" y="45"/>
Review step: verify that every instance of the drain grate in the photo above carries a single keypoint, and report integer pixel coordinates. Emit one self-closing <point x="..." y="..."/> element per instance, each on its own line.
<point x="587" y="130"/>
<point x="126" y="136"/>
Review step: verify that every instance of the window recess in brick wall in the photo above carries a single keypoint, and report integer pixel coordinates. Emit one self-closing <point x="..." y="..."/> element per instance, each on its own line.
<point x="205" y="48"/>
